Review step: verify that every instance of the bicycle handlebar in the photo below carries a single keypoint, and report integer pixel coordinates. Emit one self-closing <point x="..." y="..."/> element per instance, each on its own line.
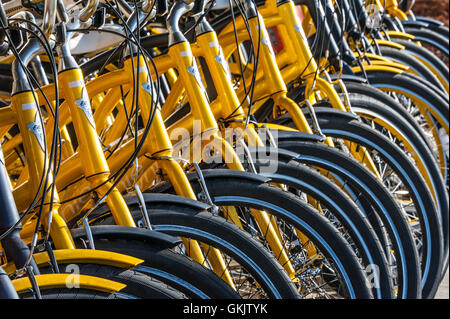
<point x="175" y="14"/>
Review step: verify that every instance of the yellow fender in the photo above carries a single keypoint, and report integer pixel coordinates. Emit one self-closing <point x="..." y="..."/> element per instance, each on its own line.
<point x="86" y="256"/>
<point x="50" y="281"/>
<point x="401" y="35"/>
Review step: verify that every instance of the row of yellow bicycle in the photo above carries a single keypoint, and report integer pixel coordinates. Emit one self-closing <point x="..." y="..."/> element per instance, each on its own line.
<point x="222" y="149"/>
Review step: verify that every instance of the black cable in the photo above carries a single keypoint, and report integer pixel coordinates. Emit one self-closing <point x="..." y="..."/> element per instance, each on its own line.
<point x="53" y="156"/>
<point x="255" y="68"/>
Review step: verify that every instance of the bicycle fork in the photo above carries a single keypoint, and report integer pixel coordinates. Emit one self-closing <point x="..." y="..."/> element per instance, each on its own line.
<point x="189" y="74"/>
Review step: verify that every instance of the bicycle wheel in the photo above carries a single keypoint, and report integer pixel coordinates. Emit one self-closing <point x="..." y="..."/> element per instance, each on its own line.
<point x="427" y="23"/>
<point x="360" y="134"/>
<point x="419" y="151"/>
<point x="428" y="108"/>
<point x="413" y="190"/>
<point x="369" y="93"/>
<point x="248" y="194"/>
<point x="174" y="269"/>
<point x="360" y="183"/>
<point x="356" y="89"/>
<point x="256" y="274"/>
<point x="404" y="81"/>
<point x="61" y="293"/>
<point x="436" y="38"/>
<point x="138" y="285"/>
<point x="336" y="206"/>
<point x="426" y="56"/>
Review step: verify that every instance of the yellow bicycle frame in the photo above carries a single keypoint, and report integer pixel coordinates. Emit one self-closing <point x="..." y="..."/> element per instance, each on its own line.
<point x="60" y="281"/>
<point x="296" y="59"/>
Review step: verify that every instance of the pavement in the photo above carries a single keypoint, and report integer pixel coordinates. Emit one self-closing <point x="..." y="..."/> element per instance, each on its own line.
<point x="443" y="289"/>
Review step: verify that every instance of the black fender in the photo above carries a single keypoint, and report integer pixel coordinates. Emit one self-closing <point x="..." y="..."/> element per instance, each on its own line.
<point x="427" y="20"/>
<point x="128" y="233"/>
<point x="164" y="200"/>
<point x="283" y="154"/>
<point x="287" y="135"/>
<point x="218" y="173"/>
<point x="324" y="108"/>
<point x="348" y="77"/>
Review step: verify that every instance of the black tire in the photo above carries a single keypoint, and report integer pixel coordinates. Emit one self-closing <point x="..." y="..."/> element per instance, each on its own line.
<point x="405" y="82"/>
<point x="363" y="135"/>
<point x="175" y="270"/>
<point x="239" y="244"/>
<point x="335" y="204"/>
<point x="429" y="57"/>
<point x="427" y="23"/>
<point x="435" y="147"/>
<point x="138" y="285"/>
<point x="365" y="97"/>
<point x="435" y="38"/>
<point x="64" y="293"/>
<point x="409" y="87"/>
<point x="359" y="104"/>
<point x="404" y="58"/>
<point x="237" y="189"/>
<point x="223" y="235"/>
<point x="370" y="92"/>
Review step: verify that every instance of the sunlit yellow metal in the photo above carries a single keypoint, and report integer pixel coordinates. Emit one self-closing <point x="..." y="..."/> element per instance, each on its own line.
<point x="29" y="122"/>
